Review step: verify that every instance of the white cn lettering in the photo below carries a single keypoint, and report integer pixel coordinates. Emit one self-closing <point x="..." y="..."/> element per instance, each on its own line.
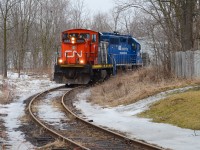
<point x="73" y="53"/>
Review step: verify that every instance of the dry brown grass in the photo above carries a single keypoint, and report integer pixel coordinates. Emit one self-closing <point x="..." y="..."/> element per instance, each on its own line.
<point x="57" y="103"/>
<point x="24" y="118"/>
<point x="57" y="143"/>
<point x="133" y="86"/>
<point x="5" y="97"/>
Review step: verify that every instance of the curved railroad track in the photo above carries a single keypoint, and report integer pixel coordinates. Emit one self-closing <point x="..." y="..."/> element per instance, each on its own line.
<point x="82" y="134"/>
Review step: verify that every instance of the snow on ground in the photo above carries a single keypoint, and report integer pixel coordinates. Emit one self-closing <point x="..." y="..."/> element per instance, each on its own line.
<point x="123" y="118"/>
<point x="23" y="88"/>
<point x="52" y="115"/>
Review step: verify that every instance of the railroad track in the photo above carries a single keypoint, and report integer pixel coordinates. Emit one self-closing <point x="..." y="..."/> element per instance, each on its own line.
<point x="82" y="134"/>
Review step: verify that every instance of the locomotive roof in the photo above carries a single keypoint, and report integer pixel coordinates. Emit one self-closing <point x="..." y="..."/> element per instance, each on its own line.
<point x="80" y="30"/>
<point x="114" y="34"/>
<point x="118" y="35"/>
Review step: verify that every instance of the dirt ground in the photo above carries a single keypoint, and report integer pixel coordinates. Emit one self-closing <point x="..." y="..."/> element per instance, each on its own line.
<point x="3" y="100"/>
<point x="3" y="135"/>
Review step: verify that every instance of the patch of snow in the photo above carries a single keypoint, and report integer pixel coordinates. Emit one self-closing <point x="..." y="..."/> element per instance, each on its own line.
<point x="51" y="114"/>
<point x="123" y="118"/>
<point x="23" y="88"/>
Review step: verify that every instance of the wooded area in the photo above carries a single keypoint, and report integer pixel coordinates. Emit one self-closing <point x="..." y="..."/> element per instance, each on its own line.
<point x="32" y="28"/>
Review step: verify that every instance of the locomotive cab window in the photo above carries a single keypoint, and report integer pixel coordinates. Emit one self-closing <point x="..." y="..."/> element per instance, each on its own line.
<point x="73" y="35"/>
<point x="138" y="47"/>
<point x="65" y="38"/>
<point x="134" y="46"/>
<point x="94" y="38"/>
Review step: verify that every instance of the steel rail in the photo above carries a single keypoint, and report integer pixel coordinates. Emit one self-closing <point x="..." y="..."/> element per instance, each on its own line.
<point x="47" y="128"/>
<point x="146" y="145"/>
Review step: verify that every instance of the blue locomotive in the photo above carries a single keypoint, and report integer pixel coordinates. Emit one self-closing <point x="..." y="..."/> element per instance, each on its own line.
<point x="122" y="50"/>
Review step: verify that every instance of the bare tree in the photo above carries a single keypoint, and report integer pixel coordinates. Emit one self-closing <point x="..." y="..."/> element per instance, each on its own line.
<point x="52" y="20"/>
<point x="187" y="16"/>
<point x="101" y="23"/>
<point x="176" y="17"/>
<point x="1" y="56"/>
<point x="116" y="16"/>
<point x="131" y="22"/>
<point x="23" y="17"/>
<point x="79" y="14"/>
<point x="31" y="30"/>
<point x="5" y="8"/>
<point x="173" y="19"/>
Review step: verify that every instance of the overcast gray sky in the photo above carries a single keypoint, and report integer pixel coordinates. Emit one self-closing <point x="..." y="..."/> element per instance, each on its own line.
<point x="99" y="5"/>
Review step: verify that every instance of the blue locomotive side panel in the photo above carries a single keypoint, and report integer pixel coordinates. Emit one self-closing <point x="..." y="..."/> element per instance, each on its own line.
<point x="123" y="50"/>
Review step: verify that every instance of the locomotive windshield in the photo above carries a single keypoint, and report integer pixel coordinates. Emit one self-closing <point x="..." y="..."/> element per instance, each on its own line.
<point x="75" y="37"/>
<point x="80" y="36"/>
<point x="65" y="38"/>
<point x="84" y="35"/>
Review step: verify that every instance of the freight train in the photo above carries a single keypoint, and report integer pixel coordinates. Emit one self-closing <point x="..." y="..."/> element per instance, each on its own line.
<point x="88" y="55"/>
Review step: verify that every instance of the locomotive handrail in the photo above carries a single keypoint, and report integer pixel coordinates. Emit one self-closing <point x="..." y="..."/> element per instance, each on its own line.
<point x="124" y="59"/>
<point x="114" y="64"/>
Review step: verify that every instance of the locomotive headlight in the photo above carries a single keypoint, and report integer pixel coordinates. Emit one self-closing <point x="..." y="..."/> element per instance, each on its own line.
<point x="60" y="61"/>
<point x="73" y="40"/>
<point x="81" y="61"/>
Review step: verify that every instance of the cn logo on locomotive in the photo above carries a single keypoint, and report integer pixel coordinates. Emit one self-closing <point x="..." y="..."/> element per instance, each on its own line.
<point x="70" y="53"/>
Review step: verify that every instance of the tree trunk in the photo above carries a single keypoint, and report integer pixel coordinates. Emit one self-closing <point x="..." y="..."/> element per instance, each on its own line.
<point x="5" y="49"/>
<point x="187" y="24"/>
